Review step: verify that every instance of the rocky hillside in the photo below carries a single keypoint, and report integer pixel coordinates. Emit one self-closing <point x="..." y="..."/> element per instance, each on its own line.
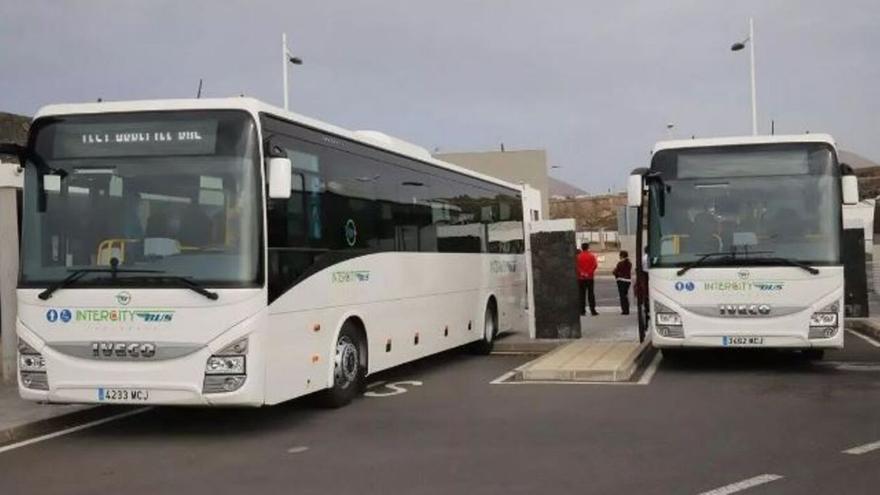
<point x="13" y="129"/>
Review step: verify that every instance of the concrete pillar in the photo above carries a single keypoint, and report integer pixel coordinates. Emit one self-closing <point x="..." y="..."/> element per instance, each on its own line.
<point x="10" y="182"/>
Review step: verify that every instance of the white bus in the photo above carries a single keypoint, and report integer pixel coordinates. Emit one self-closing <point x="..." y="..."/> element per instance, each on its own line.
<point x="223" y="251"/>
<point x="744" y="242"/>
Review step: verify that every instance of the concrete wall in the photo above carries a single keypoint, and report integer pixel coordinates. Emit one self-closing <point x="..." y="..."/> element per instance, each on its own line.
<point x="528" y="166"/>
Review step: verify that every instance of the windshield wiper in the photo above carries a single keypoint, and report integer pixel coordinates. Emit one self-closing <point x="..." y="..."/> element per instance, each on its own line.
<point x="702" y="259"/>
<point x="75" y="275"/>
<point x="184" y="282"/>
<point x="189" y="284"/>
<point x="790" y="262"/>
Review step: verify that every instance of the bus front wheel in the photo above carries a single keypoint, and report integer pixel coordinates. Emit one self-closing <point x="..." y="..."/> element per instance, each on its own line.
<point x="349" y="369"/>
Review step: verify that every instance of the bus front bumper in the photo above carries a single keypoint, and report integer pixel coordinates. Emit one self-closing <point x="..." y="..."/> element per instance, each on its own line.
<point x="755" y="340"/>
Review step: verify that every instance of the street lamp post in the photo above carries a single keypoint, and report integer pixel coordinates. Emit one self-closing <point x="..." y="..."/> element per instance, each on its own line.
<point x="286" y="57"/>
<point x="739" y="46"/>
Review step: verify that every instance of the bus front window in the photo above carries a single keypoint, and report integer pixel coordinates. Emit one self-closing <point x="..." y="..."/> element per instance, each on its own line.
<point x="776" y="200"/>
<point x="175" y="193"/>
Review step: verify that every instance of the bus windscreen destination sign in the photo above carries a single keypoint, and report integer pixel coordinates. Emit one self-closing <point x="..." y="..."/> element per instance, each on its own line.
<point x="155" y="138"/>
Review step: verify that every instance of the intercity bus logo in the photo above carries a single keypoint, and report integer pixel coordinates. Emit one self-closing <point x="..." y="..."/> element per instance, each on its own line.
<point x="498" y="266"/>
<point x="110" y="315"/>
<point x="743" y="286"/>
<point x="350" y="276"/>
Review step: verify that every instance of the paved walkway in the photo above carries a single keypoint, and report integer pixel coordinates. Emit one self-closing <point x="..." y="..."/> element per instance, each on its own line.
<point x="608" y="350"/>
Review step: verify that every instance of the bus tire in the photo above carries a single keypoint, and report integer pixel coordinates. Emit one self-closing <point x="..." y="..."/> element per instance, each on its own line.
<point x="349" y="368"/>
<point x="483" y="347"/>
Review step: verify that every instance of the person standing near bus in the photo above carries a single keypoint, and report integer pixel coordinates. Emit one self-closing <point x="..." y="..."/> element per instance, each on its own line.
<point x="623" y="276"/>
<point x="586" y="269"/>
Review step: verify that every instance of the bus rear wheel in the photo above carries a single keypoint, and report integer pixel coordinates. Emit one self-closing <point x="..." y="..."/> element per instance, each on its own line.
<point x="490" y="329"/>
<point x="349" y="369"/>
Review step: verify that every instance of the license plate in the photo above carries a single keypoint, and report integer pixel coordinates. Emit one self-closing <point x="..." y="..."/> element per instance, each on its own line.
<point x="123" y="395"/>
<point x="742" y="341"/>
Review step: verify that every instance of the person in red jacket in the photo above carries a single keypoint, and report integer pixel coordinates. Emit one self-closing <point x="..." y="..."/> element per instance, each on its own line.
<point x="623" y="276"/>
<point x="586" y="271"/>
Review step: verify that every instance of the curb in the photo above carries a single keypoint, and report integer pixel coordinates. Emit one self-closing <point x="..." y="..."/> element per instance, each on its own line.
<point x="27" y="431"/>
<point x="623" y="372"/>
<point x="864" y="326"/>
<point x="529" y="347"/>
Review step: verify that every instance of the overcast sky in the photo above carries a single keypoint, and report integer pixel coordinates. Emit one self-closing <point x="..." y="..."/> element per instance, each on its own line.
<point x="594" y="83"/>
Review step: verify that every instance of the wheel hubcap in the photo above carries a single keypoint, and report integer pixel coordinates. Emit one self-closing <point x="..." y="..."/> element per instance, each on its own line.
<point x="345" y="367"/>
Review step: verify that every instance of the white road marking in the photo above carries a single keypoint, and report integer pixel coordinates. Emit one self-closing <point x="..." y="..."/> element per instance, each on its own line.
<point x="72" y="429"/>
<point x="743" y="485"/>
<point x="395" y="388"/>
<point x="297" y="450"/>
<point x="849" y="365"/>
<point x="864" y="337"/>
<point x="863" y="449"/>
<point x="375" y="384"/>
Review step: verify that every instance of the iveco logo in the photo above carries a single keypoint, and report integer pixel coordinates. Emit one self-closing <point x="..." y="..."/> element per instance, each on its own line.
<point x="744" y="309"/>
<point x="122" y="350"/>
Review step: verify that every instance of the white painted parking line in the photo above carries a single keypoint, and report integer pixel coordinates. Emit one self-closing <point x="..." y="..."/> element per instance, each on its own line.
<point x="394" y="388"/>
<point x="863" y="449"/>
<point x="743" y="485"/>
<point x="73" y="429"/>
<point x="849" y="365"/>
<point x="864" y="337"/>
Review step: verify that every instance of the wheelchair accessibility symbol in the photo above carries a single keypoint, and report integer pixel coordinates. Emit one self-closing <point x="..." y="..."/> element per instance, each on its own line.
<point x="685" y="286"/>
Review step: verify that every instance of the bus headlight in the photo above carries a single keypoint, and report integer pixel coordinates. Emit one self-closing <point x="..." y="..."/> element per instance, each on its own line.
<point x="226" y="371"/>
<point x="225" y="365"/>
<point x="822" y="319"/>
<point x="32" y="367"/>
<point x="31" y="362"/>
<point x="665" y="316"/>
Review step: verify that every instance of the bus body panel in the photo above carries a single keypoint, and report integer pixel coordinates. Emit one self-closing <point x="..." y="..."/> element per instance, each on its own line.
<point x="790" y="294"/>
<point x="423" y="303"/>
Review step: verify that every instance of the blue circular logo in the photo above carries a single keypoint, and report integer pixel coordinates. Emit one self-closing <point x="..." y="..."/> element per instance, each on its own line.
<point x="65" y="315"/>
<point x="685" y="286"/>
<point x="52" y="316"/>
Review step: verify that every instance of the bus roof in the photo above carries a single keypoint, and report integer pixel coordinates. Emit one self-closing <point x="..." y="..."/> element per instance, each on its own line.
<point x="743" y="140"/>
<point x="371" y="138"/>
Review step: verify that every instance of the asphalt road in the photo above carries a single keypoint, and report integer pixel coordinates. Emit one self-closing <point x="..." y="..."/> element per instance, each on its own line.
<point x="699" y="424"/>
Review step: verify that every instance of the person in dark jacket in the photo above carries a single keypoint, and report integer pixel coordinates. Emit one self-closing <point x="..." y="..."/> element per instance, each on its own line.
<point x="623" y="276"/>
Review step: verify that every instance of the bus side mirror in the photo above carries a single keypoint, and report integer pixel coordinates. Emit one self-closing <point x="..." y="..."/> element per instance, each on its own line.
<point x="280" y="170"/>
<point x="634" y="191"/>
<point x="850" y="186"/>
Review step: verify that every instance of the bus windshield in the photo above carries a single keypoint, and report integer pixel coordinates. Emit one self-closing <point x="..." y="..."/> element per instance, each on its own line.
<point x="748" y="201"/>
<point x="171" y="193"/>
